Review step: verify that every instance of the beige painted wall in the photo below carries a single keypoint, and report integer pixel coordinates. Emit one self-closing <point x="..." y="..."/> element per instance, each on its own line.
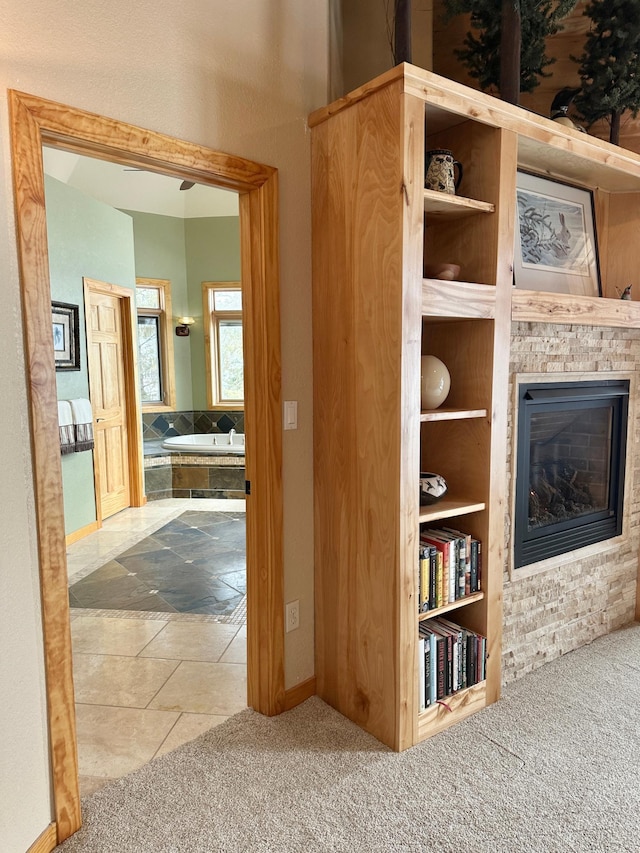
<point x="360" y="35"/>
<point x="239" y="77"/>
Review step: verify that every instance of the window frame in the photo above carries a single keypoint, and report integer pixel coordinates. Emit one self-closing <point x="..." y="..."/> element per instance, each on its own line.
<point x="215" y="401"/>
<point x="165" y="330"/>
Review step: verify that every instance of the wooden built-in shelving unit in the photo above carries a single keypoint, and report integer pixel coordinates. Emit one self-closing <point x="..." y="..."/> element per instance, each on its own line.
<point x="375" y="314"/>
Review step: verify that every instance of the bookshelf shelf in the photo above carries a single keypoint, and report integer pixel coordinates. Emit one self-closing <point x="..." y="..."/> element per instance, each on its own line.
<point x="439" y="204"/>
<point x="454" y="605"/>
<point x="458" y="299"/>
<point x="451" y="710"/>
<point x="450" y="414"/>
<point x="449" y="508"/>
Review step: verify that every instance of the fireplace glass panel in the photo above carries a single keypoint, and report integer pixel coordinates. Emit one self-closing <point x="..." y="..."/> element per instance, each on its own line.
<point x="571" y="458"/>
<point x="569" y="465"/>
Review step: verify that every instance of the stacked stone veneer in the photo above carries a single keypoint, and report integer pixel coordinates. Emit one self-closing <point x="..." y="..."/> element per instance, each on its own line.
<point x="555" y="611"/>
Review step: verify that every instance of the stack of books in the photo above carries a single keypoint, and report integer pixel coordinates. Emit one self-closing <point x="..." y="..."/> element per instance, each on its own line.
<point x="449" y="567"/>
<point x="451" y="658"/>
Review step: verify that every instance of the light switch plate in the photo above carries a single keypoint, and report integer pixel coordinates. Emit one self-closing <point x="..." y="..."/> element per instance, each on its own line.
<point x="291" y="414"/>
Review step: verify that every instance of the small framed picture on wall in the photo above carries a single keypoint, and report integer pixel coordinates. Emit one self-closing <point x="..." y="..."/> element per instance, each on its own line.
<point x="66" y="336"/>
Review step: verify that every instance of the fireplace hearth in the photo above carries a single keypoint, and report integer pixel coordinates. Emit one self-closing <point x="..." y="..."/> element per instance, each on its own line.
<point x="570" y="466"/>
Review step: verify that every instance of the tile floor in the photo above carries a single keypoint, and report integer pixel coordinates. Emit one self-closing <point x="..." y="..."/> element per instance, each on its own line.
<point x="148" y="681"/>
<point x="196" y="563"/>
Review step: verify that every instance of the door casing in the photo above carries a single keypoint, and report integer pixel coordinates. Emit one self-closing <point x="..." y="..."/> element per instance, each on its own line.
<point x="34" y="122"/>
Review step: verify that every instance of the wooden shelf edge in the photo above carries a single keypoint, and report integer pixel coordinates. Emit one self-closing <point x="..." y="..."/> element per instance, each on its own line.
<point x="451" y="414"/>
<point x="447" y="205"/>
<point x="453" y="605"/>
<point x="448" y="508"/>
<point x="533" y="306"/>
<point x="465" y="300"/>
<point x="455" y="708"/>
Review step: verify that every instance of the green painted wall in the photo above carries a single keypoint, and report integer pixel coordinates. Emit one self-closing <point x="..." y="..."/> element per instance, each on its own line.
<point x="160" y="252"/>
<point x="187" y="252"/>
<point x="213" y="254"/>
<point x="86" y="238"/>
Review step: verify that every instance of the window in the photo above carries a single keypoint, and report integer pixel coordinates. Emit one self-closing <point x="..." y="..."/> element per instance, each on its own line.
<point x="155" y="344"/>
<point x="222" y="302"/>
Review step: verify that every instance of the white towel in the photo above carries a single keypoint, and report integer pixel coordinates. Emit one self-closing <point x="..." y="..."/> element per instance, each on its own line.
<point x="83" y="421"/>
<point x="66" y="428"/>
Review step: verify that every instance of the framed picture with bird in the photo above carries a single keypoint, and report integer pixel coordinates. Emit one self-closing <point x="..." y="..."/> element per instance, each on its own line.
<point x="556" y="247"/>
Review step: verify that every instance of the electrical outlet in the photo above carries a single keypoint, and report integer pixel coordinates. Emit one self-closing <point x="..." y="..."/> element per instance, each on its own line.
<point x="292" y="614"/>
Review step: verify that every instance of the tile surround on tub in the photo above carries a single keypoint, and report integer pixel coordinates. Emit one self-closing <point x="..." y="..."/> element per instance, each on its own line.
<point x="156" y="425"/>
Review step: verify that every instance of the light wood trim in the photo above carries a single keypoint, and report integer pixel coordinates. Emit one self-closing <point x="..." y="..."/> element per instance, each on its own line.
<point x="532" y="306"/>
<point x="458" y="299"/>
<point x="211" y="345"/>
<point x="47" y="473"/>
<point x="263" y="428"/>
<point x="300" y="693"/>
<point x="543" y="145"/>
<point x="46" y="841"/>
<point x="166" y="344"/>
<point x="452" y="414"/>
<point x="453" y="206"/>
<point x="79" y="534"/>
<point x="451" y="710"/>
<point x="34" y="121"/>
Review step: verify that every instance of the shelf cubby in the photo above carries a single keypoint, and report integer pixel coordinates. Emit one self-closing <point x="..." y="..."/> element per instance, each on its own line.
<point x="452" y="605"/>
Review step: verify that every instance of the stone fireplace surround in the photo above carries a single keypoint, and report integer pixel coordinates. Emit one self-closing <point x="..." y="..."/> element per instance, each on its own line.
<point x="566" y="602"/>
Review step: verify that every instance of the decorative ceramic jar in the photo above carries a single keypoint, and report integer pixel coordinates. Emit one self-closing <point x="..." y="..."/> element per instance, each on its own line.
<point x="440" y="171"/>
<point x="435" y="382"/>
<point x="432" y="488"/>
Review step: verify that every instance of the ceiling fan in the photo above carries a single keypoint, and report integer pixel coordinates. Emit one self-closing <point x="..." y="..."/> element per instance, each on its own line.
<point x="185" y="185"/>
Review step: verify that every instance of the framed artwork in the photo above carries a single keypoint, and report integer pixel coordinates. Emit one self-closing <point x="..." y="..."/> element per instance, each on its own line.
<point x="66" y="336"/>
<point x="556" y="245"/>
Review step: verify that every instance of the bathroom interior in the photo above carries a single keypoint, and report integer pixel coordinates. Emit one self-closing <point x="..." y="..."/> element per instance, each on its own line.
<point x="157" y="592"/>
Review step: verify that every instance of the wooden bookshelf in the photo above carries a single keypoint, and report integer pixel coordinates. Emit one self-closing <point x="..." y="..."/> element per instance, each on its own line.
<point x="375" y="314"/>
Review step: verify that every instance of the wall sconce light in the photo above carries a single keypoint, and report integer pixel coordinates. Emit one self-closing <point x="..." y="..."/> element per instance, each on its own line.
<point x="182" y="329"/>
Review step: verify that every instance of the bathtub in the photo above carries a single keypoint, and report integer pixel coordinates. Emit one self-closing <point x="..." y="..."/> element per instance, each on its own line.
<point x="215" y="444"/>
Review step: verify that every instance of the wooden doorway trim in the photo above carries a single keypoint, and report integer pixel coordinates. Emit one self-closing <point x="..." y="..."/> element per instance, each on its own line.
<point x="35" y="122"/>
<point x="128" y="320"/>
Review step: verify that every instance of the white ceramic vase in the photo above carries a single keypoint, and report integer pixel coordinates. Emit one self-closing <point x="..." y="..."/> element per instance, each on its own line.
<point x="435" y="382"/>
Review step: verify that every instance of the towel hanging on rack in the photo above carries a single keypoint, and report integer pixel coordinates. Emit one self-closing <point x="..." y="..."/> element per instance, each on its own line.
<point x="83" y="421"/>
<point x="66" y="428"/>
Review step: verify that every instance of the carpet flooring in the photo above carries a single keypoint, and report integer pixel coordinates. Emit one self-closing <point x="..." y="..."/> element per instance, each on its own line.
<point x="553" y="766"/>
<point x="194" y="564"/>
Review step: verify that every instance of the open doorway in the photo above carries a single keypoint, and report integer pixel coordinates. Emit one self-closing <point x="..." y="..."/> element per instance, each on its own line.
<point x="34" y="123"/>
<point x="158" y="592"/>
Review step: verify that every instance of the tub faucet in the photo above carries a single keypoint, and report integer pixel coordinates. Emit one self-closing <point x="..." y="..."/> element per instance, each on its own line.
<point x="232" y="432"/>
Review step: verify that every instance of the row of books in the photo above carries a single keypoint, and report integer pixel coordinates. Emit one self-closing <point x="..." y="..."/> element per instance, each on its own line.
<point x="449" y="567"/>
<point x="451" y="658"/>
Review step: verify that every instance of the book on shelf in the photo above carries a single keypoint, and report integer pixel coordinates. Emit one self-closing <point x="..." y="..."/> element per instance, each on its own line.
<point x="451" y="659"/>
<point x="449" y="567"/>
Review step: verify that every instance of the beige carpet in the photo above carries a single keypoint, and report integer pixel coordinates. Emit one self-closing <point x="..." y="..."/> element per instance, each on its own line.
<point x="554" y="766"/>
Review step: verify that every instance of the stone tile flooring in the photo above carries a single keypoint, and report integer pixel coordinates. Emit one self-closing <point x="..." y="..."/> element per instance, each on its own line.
<point x="194" y="564"/>
<point x="147" y="681"/>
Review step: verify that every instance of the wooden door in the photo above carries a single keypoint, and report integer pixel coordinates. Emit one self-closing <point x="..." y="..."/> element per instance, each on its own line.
<point x="109" y="401"/>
